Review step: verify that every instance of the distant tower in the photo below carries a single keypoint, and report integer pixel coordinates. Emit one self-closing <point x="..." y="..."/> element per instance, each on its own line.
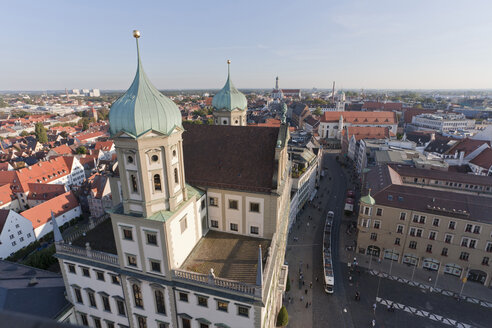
<point x="94" y="113"/>
<point x="229" y="104"/>
<point x="276" y="83"/>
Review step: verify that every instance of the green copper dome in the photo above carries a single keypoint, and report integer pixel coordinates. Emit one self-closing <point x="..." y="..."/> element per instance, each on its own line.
<point x="368" y="199"/>
<point x="143" y="108"/>
<point x="229" y="98"/>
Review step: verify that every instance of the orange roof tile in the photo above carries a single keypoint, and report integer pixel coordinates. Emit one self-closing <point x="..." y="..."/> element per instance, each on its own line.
<point x="368" y="132"/>
<point x="361" y="117"/>
<point x="41" y="213"/>
<point x="5" y="194"/>
<point x="104" y="145"/>
<point x="62" y="150"/>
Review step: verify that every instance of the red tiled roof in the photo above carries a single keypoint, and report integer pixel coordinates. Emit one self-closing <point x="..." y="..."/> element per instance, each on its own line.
<point x="368" y="132"/>
<point x="4" y="214"/>
<point x="5" y="194"/>
<point x="4" y="166"/>
<point x="62" y="150"/>
<point x="41" y="213"/>
<point x="45" y="191"/>
<point x="373" y="105"/>
<point x="484" y="159"/>
<point x="90" y="135"/>
<point x="272" y="123"/>
<point x="357" y="117"/>
<point x="104" y="145"/>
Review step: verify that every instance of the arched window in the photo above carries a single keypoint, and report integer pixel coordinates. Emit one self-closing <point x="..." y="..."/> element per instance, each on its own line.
<point x="137" y="295"/>
<point x="157" y="182"/>
<point x="159" y="302"/>
<point x="134" y="183"/>
<point x="176" y="178"/>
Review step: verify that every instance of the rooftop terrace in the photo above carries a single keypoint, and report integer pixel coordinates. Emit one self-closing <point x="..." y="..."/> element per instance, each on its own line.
<point x="233" y="257"/>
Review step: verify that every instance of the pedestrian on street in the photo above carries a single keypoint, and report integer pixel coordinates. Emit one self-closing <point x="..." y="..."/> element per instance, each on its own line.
<point x="373" y="322"/>
<point x="307" y="304"/>
<point x="430" y="279"/>
<point x="310" y="304"/>
<point x="307" y="224"/>
<point x="307" y="265"/>
<point x="305" y="291"/>
<point x="374" y="307"/>
<point x="311" y="284"/>
<point x="317" y="278"/>
<point x="302" y="298"/>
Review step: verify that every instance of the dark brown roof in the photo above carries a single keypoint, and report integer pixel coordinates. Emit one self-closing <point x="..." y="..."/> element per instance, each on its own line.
<point x="45" y="191"/>
<point x="410" y="171"/>
<point x="387" y="190"/>
<point x="4" y="214"/>
<point x="231" y="157"/>
<point x="101" y="238"/>
<point x="484" y="159"/>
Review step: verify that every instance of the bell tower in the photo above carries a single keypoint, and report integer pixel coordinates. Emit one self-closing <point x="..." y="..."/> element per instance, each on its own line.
<point x="147" y="132"/>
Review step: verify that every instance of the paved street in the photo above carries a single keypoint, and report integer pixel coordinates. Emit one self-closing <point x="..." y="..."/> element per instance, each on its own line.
<point x="415" y="307"/>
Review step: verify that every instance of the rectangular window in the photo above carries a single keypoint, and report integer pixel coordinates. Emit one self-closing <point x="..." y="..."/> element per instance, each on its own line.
<point x="29" y="235"/>
<point x="377" y="224"/>
<point x="403" y="216"/>
<point x="204" y="325"/>
<point x="222" y="306"/>
<point x="365" y="223"/>
<point x="233" y="204"/>
<point x="83" y="316"/>
<point x="155" y="266"/>
<point x="214" y="223"/>
<point x="202" y="205"/>
<point x="448" y="239"/>
<point x="412" y="232"/>
<point x="183" y="297"/>
<point x="367" y="211"/>
<point x="397" y="241"/>
<point x="419" y="232"/>
<point x="213" y="201"/>
<point x="109" y="324"/>
<point x="488" y="248"/>
<point x="97" y="322"/>
<point x="255" y="230"/>
<point x="485" y="261"/>
<point x="428" y="249"/>
<point x="115" y="279"/>
<point x="121" y="307"/>
<point x="464" y="242"/>
<point x="472" y="243"/>
<point x="379" y="211"/>
<point x="78" y="295"/>
<point x="452" y="225"/>
<point x="127" y="234"/>
<point x="412" y="245"/>
<point x="21" y="239"/>
<point x="185" y="323"/>
<point x="234" y="227"/>
<point x="106" y="305"/>
<point x="202" y="301"/>
<point x="444" y="252"/>
<point x="183" y="223"/>
<point x="92" y="299"/>
<point x="142" y="322"/>
<point x="132" y="260"/>
<point x="151" y="238"/>
<point x="399" y="229"/>
<point x="71" y="268"/>
<point x="468" y="228"/>
<point x="435" y="222"/>
<point x="243" y="311"/>
<point x="415" y="218"/>
<point x="432" y="235"/>
<point x="100" y="275"/>
<point x="374" y="236"/>
<point x="464" y="256"/>
<point x="422" y="219"/>
<point x="86" y="272"/>
<point x="476" y="229"/>
<point x="254" y="207"/>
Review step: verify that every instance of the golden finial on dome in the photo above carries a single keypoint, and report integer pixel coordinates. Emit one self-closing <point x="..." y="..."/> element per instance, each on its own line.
<point x="228" y="61"/>
<point x="136" y="34"/>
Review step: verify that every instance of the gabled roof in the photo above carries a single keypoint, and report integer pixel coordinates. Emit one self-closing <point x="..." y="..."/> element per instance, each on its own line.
<point x="104" y="145"/>
<point x="4" y="214"/>
<point x="230" y="157"/>
<point x="5" y="194"/>
<point x="41" y="213"/>
<point x="367" y="132"/>
<point x="373" y="105"/>
<point x="484" y="159"/>
<point x="467" y="145"/>
<point x="62" y="150"/>
<point x="376" y="118"/>
<point x="44" y="191"/>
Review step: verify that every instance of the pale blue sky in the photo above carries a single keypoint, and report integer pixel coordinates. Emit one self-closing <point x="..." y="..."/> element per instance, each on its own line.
<point x="184" y="44"/>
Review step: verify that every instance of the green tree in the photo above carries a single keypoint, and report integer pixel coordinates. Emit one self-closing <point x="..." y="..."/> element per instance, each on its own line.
<point x="64" y="134"/>
<point x="102" y="114"/>
<point x="283" y="317"/>
<point x="210" y="121"/>
<point x="81" y="150"/>
<point x="3" y="103"/>
<point x="24" y="133"/>
<point x="40" y="132"/>
<point x="318" y="111"/>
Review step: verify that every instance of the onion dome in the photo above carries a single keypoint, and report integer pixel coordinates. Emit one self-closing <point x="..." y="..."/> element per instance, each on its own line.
<point x="143" y="108"/>
<point x="368" y="199"/>
<point x="229" y="98"/>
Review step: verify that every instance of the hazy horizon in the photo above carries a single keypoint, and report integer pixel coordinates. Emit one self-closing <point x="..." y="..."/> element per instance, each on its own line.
<point x="377" y="45"/>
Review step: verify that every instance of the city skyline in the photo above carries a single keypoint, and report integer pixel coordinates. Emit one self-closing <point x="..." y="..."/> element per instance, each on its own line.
<point x="379" y="45"/>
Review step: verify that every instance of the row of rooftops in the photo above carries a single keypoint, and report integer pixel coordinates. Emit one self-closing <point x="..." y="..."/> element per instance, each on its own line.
<point x="388" y="189"/>
<point x="383" y="117"/>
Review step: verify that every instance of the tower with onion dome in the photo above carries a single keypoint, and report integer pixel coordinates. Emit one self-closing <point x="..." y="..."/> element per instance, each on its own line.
<point x="230" y="105"/>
